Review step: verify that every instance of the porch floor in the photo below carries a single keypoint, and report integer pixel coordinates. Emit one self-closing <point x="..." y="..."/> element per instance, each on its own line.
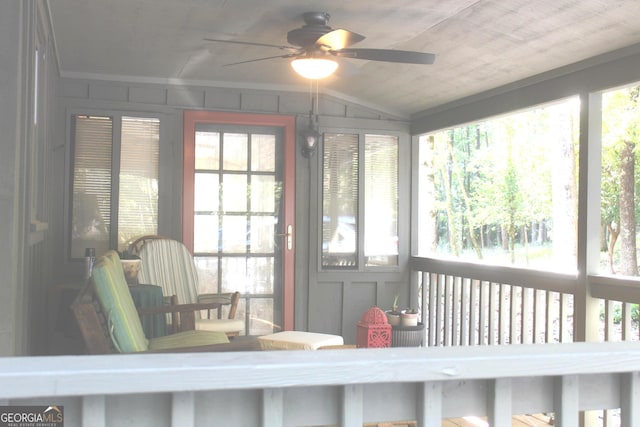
<point x="535" y="420"/>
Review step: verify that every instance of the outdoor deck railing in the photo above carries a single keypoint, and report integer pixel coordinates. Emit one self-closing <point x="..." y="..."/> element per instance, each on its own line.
<point x="472" y="304"/>
<point x="331" y="387"/>
<point x="456" y="376"/>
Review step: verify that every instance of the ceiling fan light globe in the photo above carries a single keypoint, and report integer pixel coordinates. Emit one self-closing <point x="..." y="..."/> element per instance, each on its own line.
<point x="314" y="68"/>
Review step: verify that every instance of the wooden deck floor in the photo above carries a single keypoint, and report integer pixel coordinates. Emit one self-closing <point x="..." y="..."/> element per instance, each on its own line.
<point x="536" y="420"/>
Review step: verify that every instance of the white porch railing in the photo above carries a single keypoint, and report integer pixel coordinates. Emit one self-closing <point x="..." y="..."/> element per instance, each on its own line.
<point x="332" y="387"/>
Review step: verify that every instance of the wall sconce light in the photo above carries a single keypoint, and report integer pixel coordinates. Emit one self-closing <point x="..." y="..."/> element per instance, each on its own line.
<point x="310" y="136"/>
<point x="314" y="68"/>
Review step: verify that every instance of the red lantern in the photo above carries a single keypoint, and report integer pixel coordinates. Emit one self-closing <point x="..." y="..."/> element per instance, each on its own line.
<point x="374" y="330"/>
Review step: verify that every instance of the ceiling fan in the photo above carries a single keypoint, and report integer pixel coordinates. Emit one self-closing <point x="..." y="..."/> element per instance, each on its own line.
<point x="315" y="43"/>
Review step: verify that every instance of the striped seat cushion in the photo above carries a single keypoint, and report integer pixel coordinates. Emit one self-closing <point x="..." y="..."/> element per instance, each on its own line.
<point x="168" y="263"/>
<point x="115" y="298"/>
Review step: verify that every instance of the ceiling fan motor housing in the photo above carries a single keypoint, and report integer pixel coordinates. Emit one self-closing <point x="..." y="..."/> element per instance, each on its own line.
<point x="314" y="28"/>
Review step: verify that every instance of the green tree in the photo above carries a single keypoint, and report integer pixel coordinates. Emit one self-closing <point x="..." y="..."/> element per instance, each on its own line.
<point x="620" y="134"/>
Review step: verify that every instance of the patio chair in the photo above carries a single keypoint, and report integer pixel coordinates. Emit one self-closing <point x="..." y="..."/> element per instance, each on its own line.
<point x="110" y="323"/>
<point x="168" y="263"/>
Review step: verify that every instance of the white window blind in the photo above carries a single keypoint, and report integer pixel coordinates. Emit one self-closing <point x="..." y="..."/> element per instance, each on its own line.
<point x="91" y="216"/>
<point x="138" y="193"/>
<point x="93" y="219"/>
<point x="381" y="200"/>
<point x="352" y="168"/>
<point x="340" y="201"/>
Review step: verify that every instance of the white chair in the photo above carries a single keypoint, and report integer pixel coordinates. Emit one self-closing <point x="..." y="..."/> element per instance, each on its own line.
<point x="168" y="263"/>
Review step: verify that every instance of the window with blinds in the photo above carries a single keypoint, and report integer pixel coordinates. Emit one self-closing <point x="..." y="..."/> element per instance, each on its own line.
<point x="138" y="191"/>
<point x="381" y="200"/>
<point x="112" y="205"/>
<point x="340" y="201"/>
<point x="349" y="170"/>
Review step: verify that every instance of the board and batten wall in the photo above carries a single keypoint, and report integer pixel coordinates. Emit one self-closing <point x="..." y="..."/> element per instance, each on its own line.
<point x="325" y="301"/>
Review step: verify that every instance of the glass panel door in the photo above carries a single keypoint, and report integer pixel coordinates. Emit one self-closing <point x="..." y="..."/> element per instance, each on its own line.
<point x="237" y="200"/>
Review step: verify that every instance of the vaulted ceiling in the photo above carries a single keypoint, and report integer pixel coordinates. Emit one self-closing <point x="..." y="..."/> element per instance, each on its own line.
<point x="479" y="44"/>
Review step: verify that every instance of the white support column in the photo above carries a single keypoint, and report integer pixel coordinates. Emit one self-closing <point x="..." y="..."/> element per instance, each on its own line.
<point x="430" y="404"/>
<point x="183" y="409"/>
<point x="94" y="412"/>
<point x="565" y="401"/>
<point x="272" y="407"/>
<point x="630" y="399"/>
<point x="586" y="308"/>
<point x="352" y="405"/>
<point x="500" y="403"/>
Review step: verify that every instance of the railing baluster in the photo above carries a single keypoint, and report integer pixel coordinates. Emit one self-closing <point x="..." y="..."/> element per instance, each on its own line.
<point x="474" y="323"/>
<point x="352" y="405"/>
<point x="430" y="404"/>
<point x="549" y="314"/>
<point x="503" y="312"/>
<point x="465" y="317"/>
<point x="630" y="400"/>
<point x="94" y="412"/>
<point x="439" y="310"/>
<point x="433" y="309"/>
<point x="500" y="403"/>
<point x="447" y="310"/>
<point x="455" y="314"/>
<point x="563" y="317"/>
<point x="272" y="407"/>
<point x="425" y="307"/>
<point x="440" y="319"/>
<point x="516" y="314"/>
<point x="183" y="409"/>
<point x="537" y="315"/>
<point x="626" y="321"/>
<point x="527" y="316"/>
<point x="493" y="313"/>
<point x="565" y="401"/>
<point x="608" y="320"/>
<point x="484" y="312"/>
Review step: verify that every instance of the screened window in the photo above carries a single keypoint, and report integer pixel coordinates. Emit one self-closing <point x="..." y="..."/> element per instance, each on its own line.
<point x="381" y="200"/>
<point x="351" y="168"/>
<point x="503" y="191"/>
<point x="620" y="179"/>
<point x="115" y="181"/>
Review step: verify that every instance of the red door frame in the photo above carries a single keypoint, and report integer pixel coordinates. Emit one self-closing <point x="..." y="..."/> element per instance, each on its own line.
<point x="287" y="123"/>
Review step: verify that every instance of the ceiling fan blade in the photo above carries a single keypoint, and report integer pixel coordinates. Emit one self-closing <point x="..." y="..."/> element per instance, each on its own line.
<point x="281" y="47"/>
<point x="291" y="55"/>
<point x="386" y="55"/>
<point x="338" y="39"/>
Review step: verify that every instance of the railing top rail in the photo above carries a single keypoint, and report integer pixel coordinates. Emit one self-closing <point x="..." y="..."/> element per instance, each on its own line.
<point x="617" y="288"/>
<point x="547" y="280"/>
<point x="137" y="373"/>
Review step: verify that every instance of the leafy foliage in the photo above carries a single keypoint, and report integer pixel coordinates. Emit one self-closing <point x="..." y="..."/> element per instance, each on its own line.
<point x="494" y="181"/>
